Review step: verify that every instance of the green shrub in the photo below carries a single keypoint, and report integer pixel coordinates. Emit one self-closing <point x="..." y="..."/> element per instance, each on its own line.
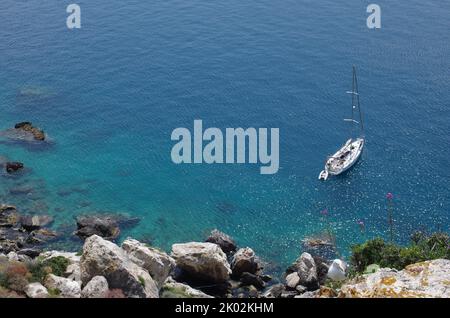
<point x="53" y="292"/>
<point x="367" y="253"/>
<point x="58" y="265"/>
<point x="55" y="265"/>
<point x="422" y="248"/>
<point x="38" y="271"/>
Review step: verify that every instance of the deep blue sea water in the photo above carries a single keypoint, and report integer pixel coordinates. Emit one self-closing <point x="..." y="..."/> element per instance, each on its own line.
<point x="110" y="94"/>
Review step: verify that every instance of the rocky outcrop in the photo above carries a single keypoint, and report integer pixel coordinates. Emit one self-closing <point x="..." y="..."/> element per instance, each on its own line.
<point x="225" y="242"/>
<point x="244" y="261"/>
<point x="24" y="132"/>
<point x="27" y="127"/>
<point x="157" y="263"/>
<point x="205" y="261"/>
<point x="104" y="258"/>
<point x="22" y="232"/>
<point x="96" y="288"/>
<point x="173" y="289"/>
<point x="36" y="290"/>
<point x="427" y="279"/>
<point x="103" y="226"/>
<point x="64" y="287"/>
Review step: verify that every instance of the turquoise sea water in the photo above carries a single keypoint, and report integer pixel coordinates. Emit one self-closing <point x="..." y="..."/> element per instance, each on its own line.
<point x="110" y="94"/>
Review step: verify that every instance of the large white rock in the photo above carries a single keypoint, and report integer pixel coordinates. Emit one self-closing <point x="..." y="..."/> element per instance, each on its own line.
<point x="104" y="258"/>
<point x="157" y="263"/>
<point x="36" y="290"/>
<point x="14" y="257"/>
<point x="73" y="272"/>
<point x="206" y="261"/>
<point x="307" y="271"/>
<point x="292" y="280"/>
<point x="67" y="288"/>
<point x="173" y="289"/>
<point x="426" y="279"/>
<point x="96" y="288"/>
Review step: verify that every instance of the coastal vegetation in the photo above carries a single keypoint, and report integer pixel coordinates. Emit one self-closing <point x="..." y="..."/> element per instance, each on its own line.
<point x="423" y="247"/>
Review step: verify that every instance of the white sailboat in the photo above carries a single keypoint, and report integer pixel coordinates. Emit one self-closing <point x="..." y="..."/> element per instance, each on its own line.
<point x="351" y="151"/>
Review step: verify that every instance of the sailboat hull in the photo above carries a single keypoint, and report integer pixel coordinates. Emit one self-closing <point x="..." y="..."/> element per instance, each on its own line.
<point x="346" y="157"/>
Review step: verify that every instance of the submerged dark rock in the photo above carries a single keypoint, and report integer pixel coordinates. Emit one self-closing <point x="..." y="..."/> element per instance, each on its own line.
<point x="9" y="216"/>
<point x="226" y="207"/>
<point x="22" y="190"/>
<point x="19" y="232"/>
<point x="13" y="166"/>
<point x="41" y="236"/>
<point x="225" y="242"/>
<point x="31" y="223"/>
<point x="103" y="226"/>
<point x="17" y="240"/>
<point x="125" y="220"/>
<point x="31" y="95"/>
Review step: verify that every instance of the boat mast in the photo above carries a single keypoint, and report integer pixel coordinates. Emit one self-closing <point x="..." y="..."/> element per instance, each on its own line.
<point x="355" y="104"/>
<point x="355" y="79"/>
<point x="354" y="92"/>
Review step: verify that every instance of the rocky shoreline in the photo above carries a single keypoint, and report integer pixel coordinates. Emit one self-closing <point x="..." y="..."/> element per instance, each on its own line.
<point x="214" y="268"/>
